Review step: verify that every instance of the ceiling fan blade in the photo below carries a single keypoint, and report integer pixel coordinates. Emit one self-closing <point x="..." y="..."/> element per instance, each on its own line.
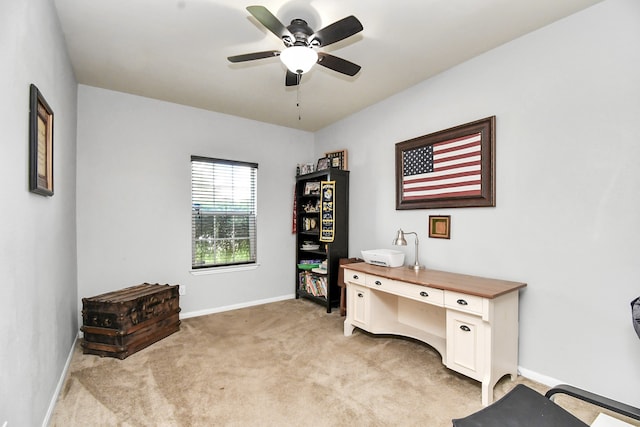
<point x="338" y="64"/>
<point x="291" y="79"/>
<point x="267" y="19"/>
<point x="337" y="31"/>
<point x="255" y="55"/>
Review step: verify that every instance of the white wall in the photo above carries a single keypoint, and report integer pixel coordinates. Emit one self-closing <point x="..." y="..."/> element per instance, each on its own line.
<point x="134" y="197"/>
<point x="567" y="101"/>
<point x="38" y="319"/>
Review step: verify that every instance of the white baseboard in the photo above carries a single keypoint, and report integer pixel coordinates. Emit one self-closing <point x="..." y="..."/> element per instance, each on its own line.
<point x="63" y="377"/>
<point x="537" y="377"/>
<point x="235" y="306"/>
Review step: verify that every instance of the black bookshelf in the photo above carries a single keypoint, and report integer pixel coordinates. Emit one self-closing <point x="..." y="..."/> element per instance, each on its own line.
<point x="309" y="283"/>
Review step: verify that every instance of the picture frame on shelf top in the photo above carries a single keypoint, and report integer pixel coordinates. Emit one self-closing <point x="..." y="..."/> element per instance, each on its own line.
<point x="324" y="163"/>
<point x="306" y="168"/>
<point x="338" y="159"/>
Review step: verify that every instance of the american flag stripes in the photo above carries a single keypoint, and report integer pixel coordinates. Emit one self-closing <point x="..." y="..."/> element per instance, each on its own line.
<point x="449" y="168"/>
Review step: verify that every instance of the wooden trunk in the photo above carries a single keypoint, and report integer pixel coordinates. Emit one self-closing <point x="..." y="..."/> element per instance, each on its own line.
<point x="120" y="323"/>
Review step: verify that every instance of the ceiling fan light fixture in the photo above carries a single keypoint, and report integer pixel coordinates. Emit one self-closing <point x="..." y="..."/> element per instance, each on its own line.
<point x="299" y="59"/>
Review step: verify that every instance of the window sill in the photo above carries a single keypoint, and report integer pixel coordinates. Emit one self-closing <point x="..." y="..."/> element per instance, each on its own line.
<point x="216" y="270"/>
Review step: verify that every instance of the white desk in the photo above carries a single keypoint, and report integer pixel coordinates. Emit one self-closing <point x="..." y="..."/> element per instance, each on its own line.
<point x="471" y="321"/>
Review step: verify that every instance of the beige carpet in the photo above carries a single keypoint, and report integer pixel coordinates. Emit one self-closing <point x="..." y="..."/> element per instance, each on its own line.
<point x="281" y="364"/>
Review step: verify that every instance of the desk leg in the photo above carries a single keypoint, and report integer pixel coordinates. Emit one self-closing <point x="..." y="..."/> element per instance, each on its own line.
<point x="348" y="328"/>
<point x="487" y="393"/>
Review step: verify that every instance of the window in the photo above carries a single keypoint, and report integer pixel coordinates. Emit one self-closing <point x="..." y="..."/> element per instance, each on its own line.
<point x="223" y="212"/>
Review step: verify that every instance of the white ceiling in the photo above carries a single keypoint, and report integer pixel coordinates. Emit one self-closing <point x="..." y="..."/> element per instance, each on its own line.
<point x="176" y="50"/>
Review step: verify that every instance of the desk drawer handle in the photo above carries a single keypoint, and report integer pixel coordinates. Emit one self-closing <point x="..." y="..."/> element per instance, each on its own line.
<point x="360" y="295"/>
<point x="424" y="294"/>
<point x="462" y="302"/>
<point x="355" y="276"/>
<point x="465" y="328"/>
<point x="378" y="282"/>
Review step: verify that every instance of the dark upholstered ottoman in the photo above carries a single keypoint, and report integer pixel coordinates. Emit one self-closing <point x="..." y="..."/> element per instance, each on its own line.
<point x="521" y="407"/>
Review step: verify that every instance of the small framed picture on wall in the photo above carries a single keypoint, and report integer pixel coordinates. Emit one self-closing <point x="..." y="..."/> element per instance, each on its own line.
<point x="40" y="144"/>
<point x="440" y="226"/>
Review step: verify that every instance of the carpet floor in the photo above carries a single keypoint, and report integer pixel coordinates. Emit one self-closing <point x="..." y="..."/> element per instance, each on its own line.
<point x="280" y="364"/>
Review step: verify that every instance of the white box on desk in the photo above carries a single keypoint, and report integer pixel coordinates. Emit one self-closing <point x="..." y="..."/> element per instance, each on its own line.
<point x="383" y="257"/>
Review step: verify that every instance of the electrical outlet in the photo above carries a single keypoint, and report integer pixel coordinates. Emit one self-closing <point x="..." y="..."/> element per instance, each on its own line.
<point x="182" y="289"/>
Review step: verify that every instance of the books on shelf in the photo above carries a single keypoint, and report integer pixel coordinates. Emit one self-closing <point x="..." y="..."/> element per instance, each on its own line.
<point x="313" y="284"/>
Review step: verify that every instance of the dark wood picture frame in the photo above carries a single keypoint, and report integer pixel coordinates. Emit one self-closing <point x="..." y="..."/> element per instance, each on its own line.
<point x="338" y="159"/>
<point x="40" y="144"/>
<point x="440" y="226"/>
<point x="323" y="163"/>
<point x="435" y="183"/>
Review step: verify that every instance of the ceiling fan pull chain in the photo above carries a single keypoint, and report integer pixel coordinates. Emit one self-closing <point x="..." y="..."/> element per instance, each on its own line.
<point x="299" y="77"/>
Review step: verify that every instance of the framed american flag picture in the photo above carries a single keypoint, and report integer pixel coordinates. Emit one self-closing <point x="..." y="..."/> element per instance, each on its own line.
<point x="451" y="168"/>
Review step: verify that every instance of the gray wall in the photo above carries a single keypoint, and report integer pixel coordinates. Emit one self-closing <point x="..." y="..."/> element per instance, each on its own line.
<point x="134" y="197"/>
<point x="38" y="319"/>
<point x="567" y="101"/>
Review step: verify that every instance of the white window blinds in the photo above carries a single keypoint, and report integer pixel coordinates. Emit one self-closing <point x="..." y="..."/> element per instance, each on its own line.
<point x="223" y="212"/>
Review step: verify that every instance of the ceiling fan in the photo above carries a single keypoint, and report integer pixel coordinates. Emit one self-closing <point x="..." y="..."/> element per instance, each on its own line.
<point x="300" y="40"/>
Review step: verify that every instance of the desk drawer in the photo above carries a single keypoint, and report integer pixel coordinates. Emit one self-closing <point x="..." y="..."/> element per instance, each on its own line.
<point x="407" y="290"/>
<point x="354" y="276"/>
<point x="463" y="302"/>
<point x="418" y="293"/>
<point x="377" y="282"/>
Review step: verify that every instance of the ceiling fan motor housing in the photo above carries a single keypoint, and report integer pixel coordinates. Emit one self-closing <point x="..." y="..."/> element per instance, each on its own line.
<point x="301" y="33"/>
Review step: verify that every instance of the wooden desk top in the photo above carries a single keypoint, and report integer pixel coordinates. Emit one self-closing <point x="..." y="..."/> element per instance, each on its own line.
<point x="472" y="285"/>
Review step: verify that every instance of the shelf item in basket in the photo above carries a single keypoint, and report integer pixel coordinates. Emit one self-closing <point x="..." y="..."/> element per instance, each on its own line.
<point x="322" y="269"/>
<point x="308" y="264"/>
<point x="310" y="261"/>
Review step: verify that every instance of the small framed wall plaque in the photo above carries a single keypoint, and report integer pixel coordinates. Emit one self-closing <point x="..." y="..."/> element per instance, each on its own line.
<point x="440" y="226"/>
<point x="40" y="144"/>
